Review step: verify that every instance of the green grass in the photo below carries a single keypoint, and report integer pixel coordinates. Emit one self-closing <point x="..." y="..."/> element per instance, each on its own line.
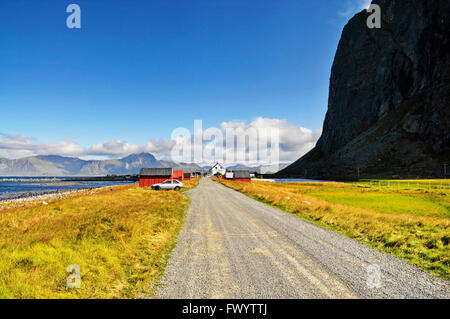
<point x="412" y="224"/>
<point x="121" y="240"/>
<point x="386" y="201"/>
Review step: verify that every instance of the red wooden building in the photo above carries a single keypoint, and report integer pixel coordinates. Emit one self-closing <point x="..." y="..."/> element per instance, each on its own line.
<point x="150" y="176"/>
<point x="242" y="176"/>
<point x="178" y="175"/>
<point x="238" y="175"/>
<point x="187" y="176"/>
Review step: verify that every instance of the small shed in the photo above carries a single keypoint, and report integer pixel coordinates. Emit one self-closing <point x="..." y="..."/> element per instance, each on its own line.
<point x="228" y="175"/>
<point x="187" y="176"/>
<point x="178" y="175"/>
<point x="150" y="176"/>
<point x="242" y="176"/>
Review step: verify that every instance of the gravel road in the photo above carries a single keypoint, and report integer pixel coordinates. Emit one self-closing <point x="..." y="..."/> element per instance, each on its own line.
<point x="235" y="247"/>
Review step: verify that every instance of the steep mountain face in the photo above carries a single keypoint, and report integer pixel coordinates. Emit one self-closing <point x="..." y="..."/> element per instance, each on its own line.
<point x="68" y="166"/>
<point x="389" y="100"/>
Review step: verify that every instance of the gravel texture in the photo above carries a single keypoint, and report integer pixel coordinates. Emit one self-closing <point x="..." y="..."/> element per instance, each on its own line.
<point x="235" y="247"/>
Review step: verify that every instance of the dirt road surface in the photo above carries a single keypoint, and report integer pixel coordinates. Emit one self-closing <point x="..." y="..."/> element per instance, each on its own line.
<point x="235" y="247"/>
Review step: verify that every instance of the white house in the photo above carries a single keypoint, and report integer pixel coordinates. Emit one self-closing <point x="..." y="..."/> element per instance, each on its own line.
<point x="217" y="168"/>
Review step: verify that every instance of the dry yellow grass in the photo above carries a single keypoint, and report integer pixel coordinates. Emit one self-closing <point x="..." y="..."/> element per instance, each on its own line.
<point x="120" y="239"/>
<point x="193" y="182"/>
<point x="399" y="227"/>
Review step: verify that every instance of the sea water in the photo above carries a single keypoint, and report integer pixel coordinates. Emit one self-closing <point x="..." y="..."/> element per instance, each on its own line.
<point x="18" y="187"/>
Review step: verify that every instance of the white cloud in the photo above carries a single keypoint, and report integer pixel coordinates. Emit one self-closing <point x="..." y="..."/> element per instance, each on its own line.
<point x="364" y="4"/>
<point x="123" y="148"/>
<point x="18" y="146"/>
<point x="295" y="141"/>
<point x="246" y="145"/>
<point x="351" y="7"/>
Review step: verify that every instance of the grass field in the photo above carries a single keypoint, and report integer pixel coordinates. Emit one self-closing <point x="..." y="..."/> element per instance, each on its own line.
<point x="190" y="184"/>
<point x="120" y="240"/>
<point x="410" y="223"/>
<point x="416" y="184"/>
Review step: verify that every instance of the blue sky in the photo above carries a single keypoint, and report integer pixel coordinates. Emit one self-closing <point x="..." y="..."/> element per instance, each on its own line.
<point x="138" y="69"/>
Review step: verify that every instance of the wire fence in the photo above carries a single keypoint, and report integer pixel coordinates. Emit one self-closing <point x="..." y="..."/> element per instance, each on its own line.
<point x="406" y="185"/>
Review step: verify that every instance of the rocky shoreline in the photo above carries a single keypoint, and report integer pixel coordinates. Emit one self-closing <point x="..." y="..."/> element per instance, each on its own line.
<point x="45" y="197"/>
<point x="35" y="194"/>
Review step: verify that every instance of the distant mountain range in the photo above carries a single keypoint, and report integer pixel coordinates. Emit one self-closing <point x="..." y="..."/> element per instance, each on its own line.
<point x="261" y="169"/>
<point x="53" y="165"/>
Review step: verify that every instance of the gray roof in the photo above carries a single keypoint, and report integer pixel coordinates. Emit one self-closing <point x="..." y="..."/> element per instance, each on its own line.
<point x="241" y="174"/>
<point x="156" y="172"/>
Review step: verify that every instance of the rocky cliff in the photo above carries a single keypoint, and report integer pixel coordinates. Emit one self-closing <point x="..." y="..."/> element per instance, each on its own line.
<point x="389" y="100"/>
